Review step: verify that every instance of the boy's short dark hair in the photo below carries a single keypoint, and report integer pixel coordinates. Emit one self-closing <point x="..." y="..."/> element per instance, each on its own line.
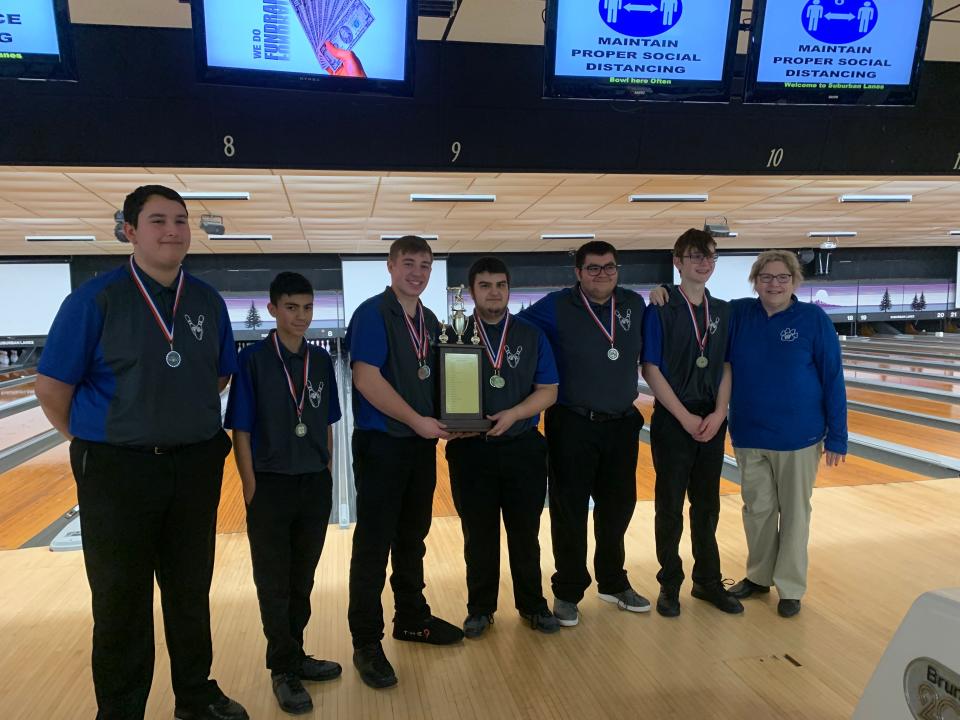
<point x="487" y="264"/>
<point x="409" y="245"/>
<point x="134" y="202"/>
<point x="594" y="247"/>
<point x="694" y="240"/>
<point x="289" y="283"/>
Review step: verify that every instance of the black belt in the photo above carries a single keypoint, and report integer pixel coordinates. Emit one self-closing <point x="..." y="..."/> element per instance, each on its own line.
<point x="594" y="416"/>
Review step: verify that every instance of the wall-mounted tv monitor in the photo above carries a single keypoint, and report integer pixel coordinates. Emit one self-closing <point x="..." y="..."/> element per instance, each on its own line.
<point x="845" y="52"/>
<point x="35" y="40"/>
<point x="641" y="49"/>
<point x="342" y="45"/>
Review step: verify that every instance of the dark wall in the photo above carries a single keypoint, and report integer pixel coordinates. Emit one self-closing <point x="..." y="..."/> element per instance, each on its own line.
<point x="555" y="269"/>
<point x="253" y="273"/>
<point x="138" y="103"/>
<point x="231" y="273"/>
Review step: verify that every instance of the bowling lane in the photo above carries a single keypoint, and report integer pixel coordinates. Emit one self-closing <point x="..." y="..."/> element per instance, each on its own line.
<point x="904" y="382"/>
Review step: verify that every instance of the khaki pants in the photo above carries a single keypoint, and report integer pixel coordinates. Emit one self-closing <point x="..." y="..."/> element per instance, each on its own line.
<point x="776" y="487"/>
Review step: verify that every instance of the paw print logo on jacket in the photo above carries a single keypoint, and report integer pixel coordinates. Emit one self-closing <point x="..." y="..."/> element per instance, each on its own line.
<point x="789" y="334"/>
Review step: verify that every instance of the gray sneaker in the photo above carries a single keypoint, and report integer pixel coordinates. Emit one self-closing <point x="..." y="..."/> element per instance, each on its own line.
<point x="475" y="625"/>
<point x="565" y="612"/>
<point x="629" y="599"/>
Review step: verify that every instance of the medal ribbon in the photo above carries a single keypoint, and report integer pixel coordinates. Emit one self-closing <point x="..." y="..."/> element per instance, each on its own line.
<point x="306" y="372"/>
<point x="497" y="361"/>
<point x="420" y="340"/>
<point x="167" y="332"/>
<point x="613" y="316"/>
<point x="701" y="339"/>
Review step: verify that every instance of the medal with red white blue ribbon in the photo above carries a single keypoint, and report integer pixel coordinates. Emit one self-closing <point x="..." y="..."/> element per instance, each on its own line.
<point x="420" y="340"/>
<point x="300" y="429"/>
<point x="497" y="381"/>
<point x="702" y="361"/>
<point x="173" y="357"/>
<point x="612" y="353"/>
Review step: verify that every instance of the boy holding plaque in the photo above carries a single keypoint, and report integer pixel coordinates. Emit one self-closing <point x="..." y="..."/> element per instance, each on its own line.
<point x="391" y="338"/>
<point x="283" y="403"/>
<point x="506" y="470"/>
<point x="684" y="343"/>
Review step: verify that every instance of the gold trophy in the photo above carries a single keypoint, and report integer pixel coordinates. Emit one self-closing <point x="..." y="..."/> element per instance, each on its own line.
<point x="461" y="373"/>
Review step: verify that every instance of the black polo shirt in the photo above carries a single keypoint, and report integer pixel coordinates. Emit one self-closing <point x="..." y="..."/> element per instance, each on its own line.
<point x="106" y="342"/>
<point x="527" y="361"/>
<point x="378" y="336"/>
<point x="589" y="379"/>
<point x="261" y="404"/>
<point x="670" y="343"/>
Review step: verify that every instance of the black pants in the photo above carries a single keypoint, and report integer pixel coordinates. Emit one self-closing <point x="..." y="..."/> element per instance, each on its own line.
<point x="599" y="459"/>
<point x="287" y="524"/>
<point x="686" y="467"/>
<point x="395" y="479"/>
<point x="141" y="515"/>
<point x="487" y="478"/>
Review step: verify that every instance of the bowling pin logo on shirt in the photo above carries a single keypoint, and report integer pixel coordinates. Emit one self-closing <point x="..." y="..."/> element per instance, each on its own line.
<point x="196" y="329"/>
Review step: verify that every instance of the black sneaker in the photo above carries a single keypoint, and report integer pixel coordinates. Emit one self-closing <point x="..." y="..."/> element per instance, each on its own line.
<point x="314" y="670"/>
<point x="721" y="598"/>
<point x="375" y="670"/>
<point x="223" y="708"/>
<point x="433" y="632"/>
<point x="746" y="587"/>
<point x="788" y="608"/>
<point x="475" y="625"/>
<point x="668" y="602"/>
<point x="291" y="695"/>
<point x="542" y="621"/>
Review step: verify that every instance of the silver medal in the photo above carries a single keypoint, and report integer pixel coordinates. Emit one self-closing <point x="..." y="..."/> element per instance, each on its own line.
<point x="613" y="354"/>
<point x="300" y="429"/>
<point x="173" y="359"/>
<point x="702" y="362"/>
<point x="424" y="372"/>
<point x="497" y="381"/>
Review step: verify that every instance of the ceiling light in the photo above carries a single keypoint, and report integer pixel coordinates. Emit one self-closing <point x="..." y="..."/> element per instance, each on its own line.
<point x="60" y="238"/>
<point x="215" y="195"/>
<point x="568" y="236"/>
<point x="829" y="245"/>
<point x="669" y="198"/>
<point x="832" y="234"/>
<point x="876" y="198"/>
<point x="253" y="238"/>
<point x="419" y="197"/>
<point x="391" y="238"/>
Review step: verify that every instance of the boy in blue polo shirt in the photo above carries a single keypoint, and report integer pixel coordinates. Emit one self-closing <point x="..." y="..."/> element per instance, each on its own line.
<point x="282" y="405"/>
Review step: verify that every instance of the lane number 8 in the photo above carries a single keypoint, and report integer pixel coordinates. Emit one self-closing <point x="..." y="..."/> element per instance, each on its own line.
<point x="229" y="149"/>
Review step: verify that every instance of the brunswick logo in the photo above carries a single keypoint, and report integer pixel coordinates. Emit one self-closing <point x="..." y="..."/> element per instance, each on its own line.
<point x="932" y="690"/>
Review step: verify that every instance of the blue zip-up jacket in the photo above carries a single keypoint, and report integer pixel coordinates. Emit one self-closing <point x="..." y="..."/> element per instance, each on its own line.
<point x="788" y="389"/>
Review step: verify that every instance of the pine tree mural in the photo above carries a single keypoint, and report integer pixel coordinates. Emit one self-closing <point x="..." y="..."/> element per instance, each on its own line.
<point x="922" y="303"/>
<point x="915" y="305"/>
<point x="253" y="317"/>
<point x="885" y="302"/>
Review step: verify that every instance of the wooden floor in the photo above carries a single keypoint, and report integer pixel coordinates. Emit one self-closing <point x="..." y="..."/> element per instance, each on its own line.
<point x="903" y="381"/>
<point x="870" y="557"/>
<point x="924" y="406"/>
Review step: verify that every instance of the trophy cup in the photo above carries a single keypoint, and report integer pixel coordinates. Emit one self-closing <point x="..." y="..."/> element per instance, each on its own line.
<point x="461" y="373"/>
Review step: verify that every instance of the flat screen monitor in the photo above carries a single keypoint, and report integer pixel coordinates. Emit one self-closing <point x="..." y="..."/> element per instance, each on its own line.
<point x="641" y="49"/>
<point x="342" y="45"/>
<point x="35" y="40"/>
<point x="865" y="52"/>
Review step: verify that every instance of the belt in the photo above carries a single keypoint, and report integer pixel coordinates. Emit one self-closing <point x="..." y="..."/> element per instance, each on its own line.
<point x="155" y="449"/>
<point x="594" y="416"/>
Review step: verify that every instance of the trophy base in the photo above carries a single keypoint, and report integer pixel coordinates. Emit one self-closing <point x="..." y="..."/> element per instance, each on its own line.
<point x="467" y="424"/>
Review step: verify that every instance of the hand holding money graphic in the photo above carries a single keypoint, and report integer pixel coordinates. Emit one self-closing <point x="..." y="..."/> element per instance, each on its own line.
<point x="349" y="63"/>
